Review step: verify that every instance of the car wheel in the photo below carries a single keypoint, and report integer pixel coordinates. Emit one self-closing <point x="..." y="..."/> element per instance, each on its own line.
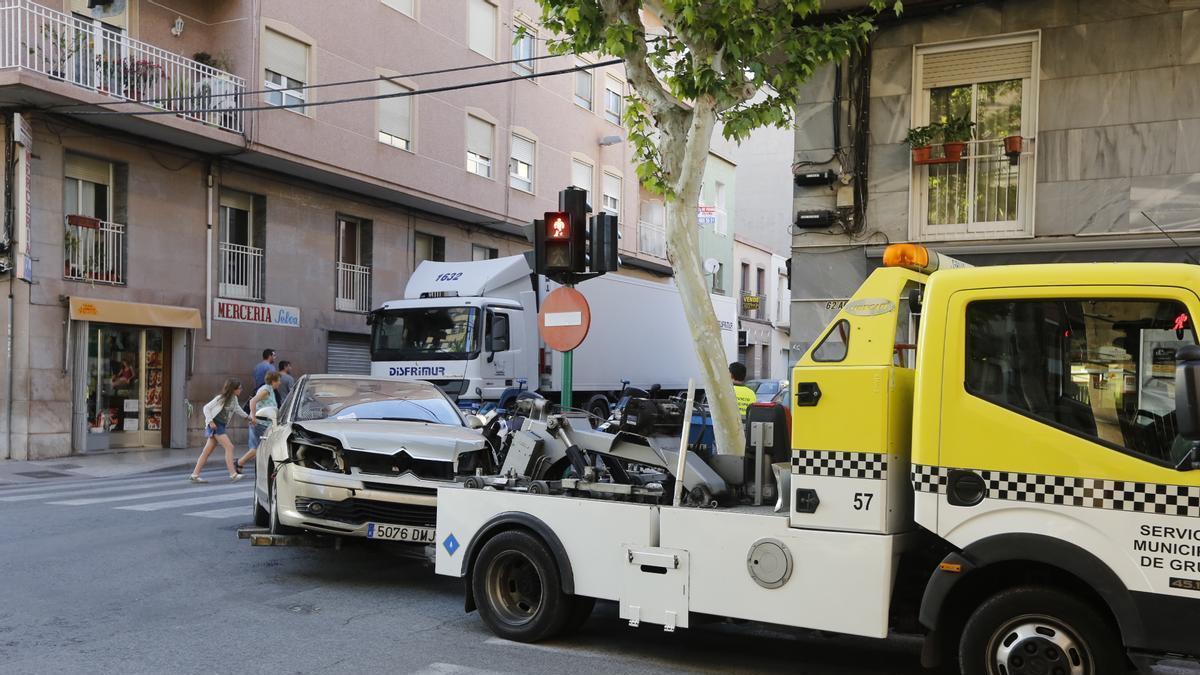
<point x="1038" y="630"/>
<point x="273" y="523"/>
<point x="261" y="517"/>
<point x="518" y="589"/>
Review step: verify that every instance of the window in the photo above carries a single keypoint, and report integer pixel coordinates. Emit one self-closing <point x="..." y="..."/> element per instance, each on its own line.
<point x="286" y="67"/>
<point x="760" y="278"/>
<point x="483" y="252"/>
<point x="88" y="187"/>
<point x="719" y="279"/>
<point x="583" y="87"/>
<point x="581" y="175"/>
<point x="480" y="140"/>
<point x="722" y="225"/>
<point x="93" y="245"/>
<point x="523" y="49"/>
<point x="520" y="173"/>
<point x="746" y="278"/>
<point x="985" y="195"/>
<point x="1098" y="368"/>
<point x="613" y="99"/>
<point x="395" y="116"/>
<point x="241" y="247"/>
<point x="612" y="194"/>
<point x="429" y="247"/>
<point x="835" y="345"/>
<point x="353" y="265"/>
<point x="481" y="29"/>
<point x="652" y="229"/>
<point x="402" y="6"/>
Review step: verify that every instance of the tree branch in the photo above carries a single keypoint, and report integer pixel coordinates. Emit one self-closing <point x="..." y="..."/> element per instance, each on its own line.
<point x="662" y="103"/>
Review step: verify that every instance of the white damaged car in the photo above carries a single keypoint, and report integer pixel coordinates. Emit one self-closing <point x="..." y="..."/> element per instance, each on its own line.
<point x="363" y="457"/>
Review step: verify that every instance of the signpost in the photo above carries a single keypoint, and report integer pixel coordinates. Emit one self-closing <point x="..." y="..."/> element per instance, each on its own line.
<point x="564" y="321"/>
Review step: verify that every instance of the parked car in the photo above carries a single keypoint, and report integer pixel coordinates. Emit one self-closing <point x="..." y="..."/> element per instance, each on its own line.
<point x="766" y="390"/>
<point x="363" y="456"/>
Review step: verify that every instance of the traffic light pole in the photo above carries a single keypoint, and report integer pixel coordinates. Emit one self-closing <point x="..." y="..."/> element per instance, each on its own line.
<point x="568" y="364"/>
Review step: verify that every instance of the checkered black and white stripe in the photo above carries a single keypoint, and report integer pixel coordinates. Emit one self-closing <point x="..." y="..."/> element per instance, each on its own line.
<point x="839" y="464"/>
<point x="1172" y="500"/>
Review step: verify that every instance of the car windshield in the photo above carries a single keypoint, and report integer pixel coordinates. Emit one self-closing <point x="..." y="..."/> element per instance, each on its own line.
<point x="424" y="333"/>
<point x="374" y="399"/>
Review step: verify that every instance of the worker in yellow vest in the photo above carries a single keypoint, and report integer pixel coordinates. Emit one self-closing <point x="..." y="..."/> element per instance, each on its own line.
<point x="745" y="395"/>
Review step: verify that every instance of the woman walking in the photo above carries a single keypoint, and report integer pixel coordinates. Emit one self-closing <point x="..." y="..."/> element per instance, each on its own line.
<point x="217" y="414"/>
<point x="263" y="399"/>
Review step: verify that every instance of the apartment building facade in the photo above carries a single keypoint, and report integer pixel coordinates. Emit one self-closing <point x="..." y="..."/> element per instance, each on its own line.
<point x="157" y="254"/>
<point x="1099" y="97"/>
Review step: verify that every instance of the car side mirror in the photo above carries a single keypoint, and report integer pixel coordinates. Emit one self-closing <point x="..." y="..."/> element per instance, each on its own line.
<point x="266" y="414"/>
<point x="475" y="422"/>
<point x="1187" y="392"/>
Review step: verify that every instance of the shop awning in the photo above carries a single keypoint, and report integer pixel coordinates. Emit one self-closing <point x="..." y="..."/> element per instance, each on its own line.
<point x="136" y="313"/>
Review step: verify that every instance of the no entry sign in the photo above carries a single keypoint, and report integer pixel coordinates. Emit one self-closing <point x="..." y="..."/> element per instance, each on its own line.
<point x="564" y="319"/>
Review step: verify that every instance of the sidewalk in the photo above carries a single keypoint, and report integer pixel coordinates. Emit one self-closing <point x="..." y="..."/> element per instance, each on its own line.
<point x="107" y="464"/>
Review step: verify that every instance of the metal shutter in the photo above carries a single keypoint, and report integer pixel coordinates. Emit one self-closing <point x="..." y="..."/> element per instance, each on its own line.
<point x="986" y="64"/>
<point x="349" y="354"/>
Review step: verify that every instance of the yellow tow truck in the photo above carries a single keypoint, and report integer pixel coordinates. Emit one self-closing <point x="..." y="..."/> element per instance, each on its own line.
<point x="1001" y="459"/>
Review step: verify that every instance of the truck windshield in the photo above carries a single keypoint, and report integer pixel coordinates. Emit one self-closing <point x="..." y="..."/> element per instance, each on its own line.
<point x="425" y="333"/>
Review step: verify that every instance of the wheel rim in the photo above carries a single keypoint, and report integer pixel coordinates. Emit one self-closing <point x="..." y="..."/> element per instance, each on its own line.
<point x="514" y="588"/>
<point x="1035" y="644"/>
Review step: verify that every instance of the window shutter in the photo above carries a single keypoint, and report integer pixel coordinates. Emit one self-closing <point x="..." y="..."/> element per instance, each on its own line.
<point x="653" y="213"/>
<point x="285" y="56"/>
<point x="482" y="28"/>
<point x="612" y="186"/>
<point x="89" y="169"/>
<point x="583" y="82"/>
<point x="479" y="137"/>
<point x="395" y="114"/>
<point x="522" y="150"/>
<point x="581" y="175"/>
<point x="970" y="66"/>
<point x="237" y="200"/>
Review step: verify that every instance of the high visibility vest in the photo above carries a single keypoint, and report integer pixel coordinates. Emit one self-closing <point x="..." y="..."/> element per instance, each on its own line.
<point x="745" y="396"/>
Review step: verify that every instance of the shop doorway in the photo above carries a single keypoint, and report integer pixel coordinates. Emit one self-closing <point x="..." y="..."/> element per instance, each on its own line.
<point x="128" y="380"/>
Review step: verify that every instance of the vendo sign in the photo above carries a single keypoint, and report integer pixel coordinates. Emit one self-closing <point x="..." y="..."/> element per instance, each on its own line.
<point x="253" y="312"/>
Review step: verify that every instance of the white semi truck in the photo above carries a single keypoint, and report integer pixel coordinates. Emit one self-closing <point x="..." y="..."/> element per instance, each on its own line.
<point x="471" y="328"/>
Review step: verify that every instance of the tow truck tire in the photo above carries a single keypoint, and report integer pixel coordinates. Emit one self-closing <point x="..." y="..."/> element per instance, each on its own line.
<point x="581" y="611"/>
<point x="518" y="589"/>
<point x="598" y="405"/>
<point x="1032" y="629"/>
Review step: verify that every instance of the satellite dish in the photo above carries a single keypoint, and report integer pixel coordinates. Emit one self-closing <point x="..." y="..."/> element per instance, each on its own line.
<point x="711" y="265"/>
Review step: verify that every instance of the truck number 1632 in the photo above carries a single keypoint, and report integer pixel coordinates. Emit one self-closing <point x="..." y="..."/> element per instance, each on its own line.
<point x="449" y="276"/>
<point x="862" y="501"/>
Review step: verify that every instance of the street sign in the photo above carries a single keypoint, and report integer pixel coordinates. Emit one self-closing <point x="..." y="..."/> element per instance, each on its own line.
<point x="564" y="319"/>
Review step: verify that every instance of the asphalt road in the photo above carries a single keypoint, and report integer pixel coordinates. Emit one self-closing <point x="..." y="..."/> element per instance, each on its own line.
<point x="144" y="574"/>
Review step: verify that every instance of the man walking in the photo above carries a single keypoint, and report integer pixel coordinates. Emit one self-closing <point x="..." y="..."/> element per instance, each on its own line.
<point x="745" y="395"/>
<point x="265" y="366"/>
<point x="286" y="381"/>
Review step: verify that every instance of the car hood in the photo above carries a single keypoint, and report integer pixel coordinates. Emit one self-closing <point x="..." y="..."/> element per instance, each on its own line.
<point x="384" y="437"/>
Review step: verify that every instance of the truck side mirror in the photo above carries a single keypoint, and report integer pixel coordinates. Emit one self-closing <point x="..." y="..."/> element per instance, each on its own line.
<point x="1187" y="392"/>
<point x="498" y="333"/>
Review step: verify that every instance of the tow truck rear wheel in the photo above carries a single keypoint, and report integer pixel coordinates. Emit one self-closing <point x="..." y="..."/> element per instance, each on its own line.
<point x="518" y="589"/>
<point x="1033" y="630"/>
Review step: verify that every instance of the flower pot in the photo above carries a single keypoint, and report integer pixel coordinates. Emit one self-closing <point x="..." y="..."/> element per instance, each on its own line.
<point x="954" y="151"/>
<point x="921" y="155"/>
<point x="1012" y="148"/>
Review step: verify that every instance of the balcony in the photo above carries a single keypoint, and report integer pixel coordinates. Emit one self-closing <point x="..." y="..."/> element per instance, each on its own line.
<point x="652" y="239"/>
<point x="353" y="288"/>
<point x="39" y="39"/>
<point x="241" y="272"/>
<point x="753" y="307"/>
<point x="94" y="250"/>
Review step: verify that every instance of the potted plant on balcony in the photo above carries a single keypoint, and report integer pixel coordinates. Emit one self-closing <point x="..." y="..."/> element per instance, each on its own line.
<point x="956" y="132"/>
<point x="1012" y="148"/>
<point x="919" y="139"/>
<point x="56" y="47"/>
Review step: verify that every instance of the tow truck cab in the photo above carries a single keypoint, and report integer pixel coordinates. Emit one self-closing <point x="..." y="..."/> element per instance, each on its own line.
<point x="993" y="457"/>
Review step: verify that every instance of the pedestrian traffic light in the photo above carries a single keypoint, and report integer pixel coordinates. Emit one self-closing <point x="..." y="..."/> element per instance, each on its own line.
<point x="603" y="251"/>
<point x="556" y="235"/>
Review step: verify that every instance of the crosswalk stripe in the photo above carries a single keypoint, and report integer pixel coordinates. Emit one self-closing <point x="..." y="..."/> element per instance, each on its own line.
<point x="194" y="501"/>
<point x="100" y="481"/>
<point x="191" y="489"/>
<point x="230" y="512"/>
<point x="48" y="492"/>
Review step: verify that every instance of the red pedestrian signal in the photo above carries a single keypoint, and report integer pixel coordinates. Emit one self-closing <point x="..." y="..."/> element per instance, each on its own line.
<point x="558" y="225"/>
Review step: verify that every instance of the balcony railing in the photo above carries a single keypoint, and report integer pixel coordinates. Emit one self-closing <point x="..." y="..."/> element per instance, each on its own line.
<point x="353" y="288"/>
<point x="241" y="271"/>
<point x="94" y="250"/>
<point x="652" y="239"/>
<point x="753" y="306"/>
<point x="100" y="59"/>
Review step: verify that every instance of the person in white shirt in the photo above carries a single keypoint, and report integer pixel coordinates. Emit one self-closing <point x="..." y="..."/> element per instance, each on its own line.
<point x="217" y="414"/>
